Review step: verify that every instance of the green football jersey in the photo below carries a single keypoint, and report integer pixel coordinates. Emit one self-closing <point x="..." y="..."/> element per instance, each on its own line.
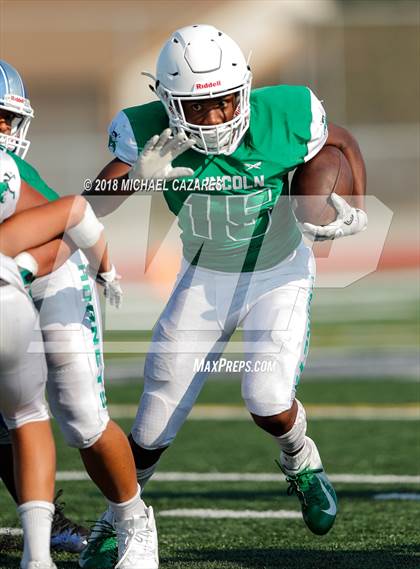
<point x="9" y="186"/>
<point x="234" y="213"/>
<point x="31" y="177"/>
<point x="9" y="197"/>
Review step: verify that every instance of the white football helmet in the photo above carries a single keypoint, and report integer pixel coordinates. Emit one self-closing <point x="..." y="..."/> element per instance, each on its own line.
<point x="13" y="99"/>
<point x="201" y="62"/>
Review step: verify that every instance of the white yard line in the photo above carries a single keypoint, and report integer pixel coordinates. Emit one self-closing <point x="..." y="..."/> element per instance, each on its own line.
<point x="75" y="475"/>
<point x="216" y="514"/>
<point x="397" y="496"/>
<point x="408" y="412"/>
<point x="233" y="514"/>
<point x="11" y="531"/>
<point x="246" y="514"/>
<point x="205" y="514"/>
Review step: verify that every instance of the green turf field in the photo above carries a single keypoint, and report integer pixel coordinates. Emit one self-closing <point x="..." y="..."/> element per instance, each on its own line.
<point x="369" y="533"/>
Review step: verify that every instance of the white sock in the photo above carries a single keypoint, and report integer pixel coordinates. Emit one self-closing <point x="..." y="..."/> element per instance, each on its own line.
<point x="126" y="510"/>
<point x="307" y="457"/>
<point x="295" y="450"/>
<point x="36" y="519"/>
<point x="144" y="475"/>
<point x="292" y="441"/>
<point x="295" y="462"/>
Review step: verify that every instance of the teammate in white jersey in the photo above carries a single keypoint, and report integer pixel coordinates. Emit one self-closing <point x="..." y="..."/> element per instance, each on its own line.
<point x="224" y="153"/>
<point x="74" y="386"/>
<point x="22" y="373"/>
<point x="15" y="116"/>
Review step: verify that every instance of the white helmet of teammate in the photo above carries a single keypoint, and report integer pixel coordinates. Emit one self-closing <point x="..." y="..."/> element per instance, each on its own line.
<point x="13" y="98"/>
<point x="201" y="62"/>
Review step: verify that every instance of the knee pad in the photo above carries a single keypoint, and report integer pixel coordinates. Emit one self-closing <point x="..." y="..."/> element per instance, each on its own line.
<point x="82" y="439"/>
<point x="81" y="432"/>
<point x="267" y="394"/>
<point x="169" y="394"/>
<point x="270" y="388"/>
<point x="158" y="420"/>
<point x="153" y="427"/>
<point x="34" y="411"/>
<point x="77" y="402"/>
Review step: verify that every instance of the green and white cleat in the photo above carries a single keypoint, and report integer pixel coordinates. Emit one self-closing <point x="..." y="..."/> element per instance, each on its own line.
<point x="317" y="499"/>
<point x="101" y="551"/>
<point x="316" y="494"/>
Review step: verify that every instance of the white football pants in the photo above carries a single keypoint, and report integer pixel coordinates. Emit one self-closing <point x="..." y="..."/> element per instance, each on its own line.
<point x="70" y="320"/>
<point x="22" y="373"/>
<point x="273" y="309"/>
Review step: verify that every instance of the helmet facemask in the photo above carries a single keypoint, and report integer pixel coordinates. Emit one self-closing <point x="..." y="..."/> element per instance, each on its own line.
<point x="210" y="139"/>
<point x="13" y="99"/>
<point x="16" y="141"/>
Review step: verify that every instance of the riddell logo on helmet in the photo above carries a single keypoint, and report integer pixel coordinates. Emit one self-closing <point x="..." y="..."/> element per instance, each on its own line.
<point x="15" y="98"/>
<point x="208" y="85"/>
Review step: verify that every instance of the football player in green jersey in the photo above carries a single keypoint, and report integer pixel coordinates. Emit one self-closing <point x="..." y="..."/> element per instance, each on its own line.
<point x="224" y="153"/>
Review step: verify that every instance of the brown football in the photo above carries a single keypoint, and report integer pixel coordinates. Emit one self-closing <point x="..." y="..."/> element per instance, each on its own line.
<point x="314" y="181"/>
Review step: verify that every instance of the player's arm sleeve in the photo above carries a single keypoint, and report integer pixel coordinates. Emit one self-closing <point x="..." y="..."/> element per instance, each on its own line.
<point x="121" y="140"/>
<point x="318" y="127"/>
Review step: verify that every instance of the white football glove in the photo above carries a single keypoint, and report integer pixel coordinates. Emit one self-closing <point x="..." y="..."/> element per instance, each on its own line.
<point x="112" y="288"/>
<point x="350" y="220"/>
<point x="155" y="160"/>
